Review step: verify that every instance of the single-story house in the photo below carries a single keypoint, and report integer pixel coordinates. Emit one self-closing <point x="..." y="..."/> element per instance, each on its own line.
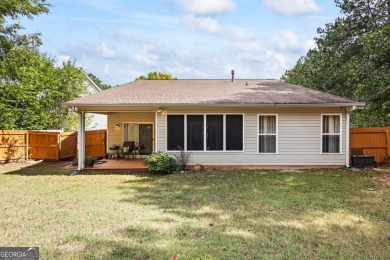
<point x="233" y="122"/>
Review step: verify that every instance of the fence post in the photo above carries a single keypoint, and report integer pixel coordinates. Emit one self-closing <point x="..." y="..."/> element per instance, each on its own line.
<point x="27" y="145"/>
<point x="58" y="147"/>
<point x="388" y="142"/>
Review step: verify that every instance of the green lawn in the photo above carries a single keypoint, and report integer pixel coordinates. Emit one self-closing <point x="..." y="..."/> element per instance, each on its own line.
<point x="324" y="214"/>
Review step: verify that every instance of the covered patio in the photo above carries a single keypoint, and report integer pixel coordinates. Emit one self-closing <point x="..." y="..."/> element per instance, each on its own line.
<point x="121" y="164"/>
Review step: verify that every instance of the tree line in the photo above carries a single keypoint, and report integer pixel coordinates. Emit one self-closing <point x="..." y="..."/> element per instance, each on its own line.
<point x="352" y="59"/>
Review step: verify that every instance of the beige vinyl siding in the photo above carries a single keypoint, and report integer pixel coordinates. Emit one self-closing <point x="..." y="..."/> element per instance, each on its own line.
<point x="299" y="137"/>
<point x="115" y="134"/>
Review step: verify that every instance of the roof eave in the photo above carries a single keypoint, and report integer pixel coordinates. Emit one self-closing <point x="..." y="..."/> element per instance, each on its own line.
<point x="346" y="104"/>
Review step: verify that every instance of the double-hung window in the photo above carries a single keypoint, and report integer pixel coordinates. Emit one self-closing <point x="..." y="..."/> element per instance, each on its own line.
<point x="268" y="133"/>
<point x="205" y="132"/>
<point x="331" y="133"/>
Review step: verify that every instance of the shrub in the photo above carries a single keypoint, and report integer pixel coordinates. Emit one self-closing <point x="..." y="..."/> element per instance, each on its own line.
<point x="90" y="161"/>
<point x="160" y="163"/>
<point x="182" y="158"/>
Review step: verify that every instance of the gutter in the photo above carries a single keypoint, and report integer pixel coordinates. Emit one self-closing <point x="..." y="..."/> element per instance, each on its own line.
<point x="355" y="104"/>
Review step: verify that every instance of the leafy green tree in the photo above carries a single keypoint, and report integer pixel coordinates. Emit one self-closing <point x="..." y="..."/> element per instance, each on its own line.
<point x="154" y="75"/>
<point x="352" y="59"/>
<point x="11" y="11"/>
<point x="32" y="88"/>
<point x="98" y="82"/>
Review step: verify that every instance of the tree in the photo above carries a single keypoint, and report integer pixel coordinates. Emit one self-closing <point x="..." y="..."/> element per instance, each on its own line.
<point x="32" y="88"/>
<point x="98" y="82"/>
<point x="156" y="76"/>
<point x="14" y="10"/>
<point x="352" y="59"/>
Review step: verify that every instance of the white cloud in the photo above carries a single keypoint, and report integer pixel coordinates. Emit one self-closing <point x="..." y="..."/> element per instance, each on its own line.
<point x="61" y="59"/>
<point x="292" y="7"/>
<point x="106" y="52"/>
<point x="146" y="56"/>
<point x="285" y="39"/>
<point x="309" y="44"/>
<point x="207" y="24"/>
<point x="207" y="6"/>
<point x="240" y="34"/>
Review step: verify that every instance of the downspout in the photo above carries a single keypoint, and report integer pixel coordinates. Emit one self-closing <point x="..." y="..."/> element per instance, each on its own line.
<point x="347" y="148"/>
<point x="155" y="131"/>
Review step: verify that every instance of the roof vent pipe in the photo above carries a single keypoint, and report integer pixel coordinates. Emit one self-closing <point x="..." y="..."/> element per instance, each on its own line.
<point x="232" y="75"/>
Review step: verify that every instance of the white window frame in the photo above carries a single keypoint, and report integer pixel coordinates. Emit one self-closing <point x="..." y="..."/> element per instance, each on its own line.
<point x="276" y="134"/>
<point x="205" y="132"/>
<point x="340" y="134"/>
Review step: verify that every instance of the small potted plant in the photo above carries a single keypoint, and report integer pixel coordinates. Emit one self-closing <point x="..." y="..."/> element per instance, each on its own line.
<point x="90" y="161"/>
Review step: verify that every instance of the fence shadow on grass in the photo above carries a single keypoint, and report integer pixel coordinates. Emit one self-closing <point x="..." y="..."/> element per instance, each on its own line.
<point x="64" y="167"/>
<point x="43" y="168"/>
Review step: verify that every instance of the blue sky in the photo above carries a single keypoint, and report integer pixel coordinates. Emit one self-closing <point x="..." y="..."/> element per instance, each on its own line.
<point x="119" y="40"/>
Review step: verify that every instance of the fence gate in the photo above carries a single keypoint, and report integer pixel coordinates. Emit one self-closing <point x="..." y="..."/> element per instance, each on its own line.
<point x="68" y="144"/>
<point x="95" y="143"/>
<point x="44" y="145"/>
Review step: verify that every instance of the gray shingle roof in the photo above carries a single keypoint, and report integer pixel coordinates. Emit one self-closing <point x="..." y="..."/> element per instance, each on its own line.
<point x="208" y="92"/>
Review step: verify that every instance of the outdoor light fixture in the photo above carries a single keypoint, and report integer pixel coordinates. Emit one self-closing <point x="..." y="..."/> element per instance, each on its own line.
<point x="159" y="109"/>
<point x="117" y="124"/>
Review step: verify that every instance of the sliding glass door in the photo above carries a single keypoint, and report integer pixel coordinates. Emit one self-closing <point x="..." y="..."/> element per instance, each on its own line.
<point x="141" y="134"/>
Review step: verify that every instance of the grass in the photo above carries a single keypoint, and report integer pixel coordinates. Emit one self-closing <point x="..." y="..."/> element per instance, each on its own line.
<point x="317" y="214"/>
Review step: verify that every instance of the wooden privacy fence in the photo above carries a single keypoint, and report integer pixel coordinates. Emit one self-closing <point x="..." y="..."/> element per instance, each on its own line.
<point x="13" y="145"/>
<point x="21" y="145"/>
<point x="52" y="145"/>
<point x="95" y="143"/>
<point x="371" y="140"/>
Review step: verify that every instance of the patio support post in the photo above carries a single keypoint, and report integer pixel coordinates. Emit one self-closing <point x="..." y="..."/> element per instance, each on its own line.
<point x="81" y="139"/>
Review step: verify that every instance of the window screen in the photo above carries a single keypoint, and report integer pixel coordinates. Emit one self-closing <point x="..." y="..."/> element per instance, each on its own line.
<point x="195" y="132"/>
<point x="175" y="132"/>
<point x="214" y="132"/>
<point x="234" y="132"/>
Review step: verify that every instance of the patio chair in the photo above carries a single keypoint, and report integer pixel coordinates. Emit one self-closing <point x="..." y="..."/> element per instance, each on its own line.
<point x="127" y="149"/>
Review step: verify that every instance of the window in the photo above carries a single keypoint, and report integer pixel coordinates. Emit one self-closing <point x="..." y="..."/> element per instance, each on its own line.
<point x="267" y="133"/>
<point x="234" y="133"/>
<point x="195" y="133"/>
<point x="205" y="132"/>
<point x="214" y="132"/>
<point x="175" y="132"/>
<point x="331" y="133"/>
